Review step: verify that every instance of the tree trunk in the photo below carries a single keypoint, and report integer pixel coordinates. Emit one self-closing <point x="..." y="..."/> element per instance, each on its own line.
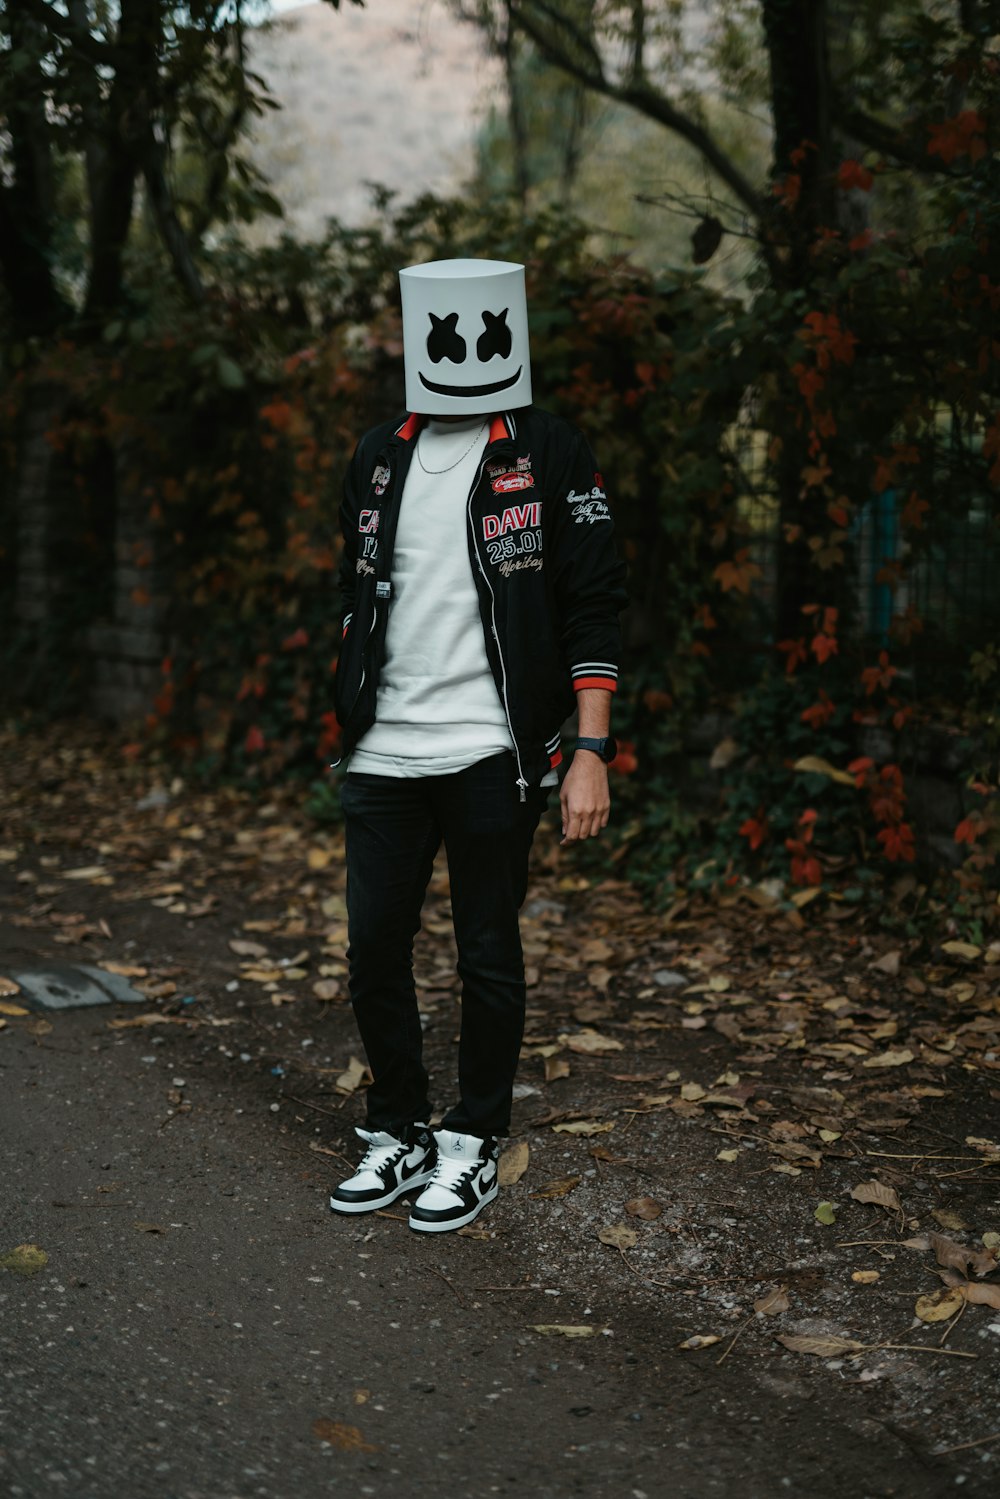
<point x="796" y="38"/>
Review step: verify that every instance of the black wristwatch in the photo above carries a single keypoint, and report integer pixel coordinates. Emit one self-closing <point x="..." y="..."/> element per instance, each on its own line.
<point x="606" y="748"/>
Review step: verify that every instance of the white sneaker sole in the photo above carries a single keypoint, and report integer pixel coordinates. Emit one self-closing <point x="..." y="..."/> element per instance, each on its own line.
<point x="445" y="1226"/>
<point x="372" y="1204"/>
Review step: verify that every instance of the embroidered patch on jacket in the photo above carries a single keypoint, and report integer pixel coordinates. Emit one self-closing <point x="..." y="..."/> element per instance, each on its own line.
<point x="510" y="483"/>
<point x="590" y="506"/>
<point x="368" y="522"/>
<point x="380" y="477"/>
<point x="514" y="518"/>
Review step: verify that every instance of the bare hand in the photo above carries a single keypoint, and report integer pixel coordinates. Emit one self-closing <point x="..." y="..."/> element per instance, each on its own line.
<point x="584" y="798"/>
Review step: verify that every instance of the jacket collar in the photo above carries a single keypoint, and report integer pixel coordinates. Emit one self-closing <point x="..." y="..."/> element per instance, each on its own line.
<point x="502" y="427"/>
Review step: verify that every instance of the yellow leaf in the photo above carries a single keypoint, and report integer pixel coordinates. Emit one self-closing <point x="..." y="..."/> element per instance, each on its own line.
<point x="561" y="1329"/>
<point x="865" y="1277"/>
<point x="135" y="1022"/>
<point x="618" y="1236"/>
<point x="558" y="1188"/>
<point x="25" y="1259"/>
<point x="692" y="1092"/>
<point x="124" y="970"/>
<point x="326" y="989"/>
<point x="6" y="1008"/>
<point x="962" y="949"/>
<point x="939" y="1305"/>
<point x="318" y="858"/>
<point x="699" y="1340"/>
<point x="822" y="1347"/>
<point x="344" y="1438"/>
<point x="356" y="1076"/>
<point x="591" y="1042"/>
<point x="513" y="1163"/>
<point x="890" y="1059"/>
<point x="816" y="765"/>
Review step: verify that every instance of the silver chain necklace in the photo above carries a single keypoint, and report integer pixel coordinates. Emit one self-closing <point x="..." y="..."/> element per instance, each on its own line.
<point x="458" y="460"/>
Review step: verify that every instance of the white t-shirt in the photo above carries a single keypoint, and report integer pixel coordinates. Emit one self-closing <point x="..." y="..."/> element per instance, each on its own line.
<point x="437" y="708"/>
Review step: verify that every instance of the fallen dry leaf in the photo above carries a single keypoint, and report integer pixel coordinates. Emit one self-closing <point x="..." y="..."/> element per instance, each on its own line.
<point x="877" y="1192"/>
<point x="977" y="1292"/>
<point x="961" y="950"/>
<point x="772" y="1302"/>
<point x="949" y="1219"/>
<point x="9" y="986"/>
<point x="557" y="1188"/>
<point x="591" y="1042"/>
<point x="888" y="963"/>
<point x="327" y="989"/>
<point x="897" y="1058"/>
<point x="584" y="1127"/>
<point x="596" y="950"/>
<point x="244" y="948"/>
<point x="345" y="1438"/>
<point x="6" y="1008"/>
<point x="822" y="1347"/>
<point x="865" y="1277"/>
<point x="124" y="970"/>
<point x="354" y="1077"/>
<point x="513" y="1163"/>
<point x="643" y="1207"/>
<point x="618" y="1236"/>
<point x="561" y="1329"/>
<point x="699" y="1340"/>
<point x="24" y="1259"/>
<point x="136" y="1022"/>
<point x="555" y="1067"/>
<point x="957" y="1256"/>
<point x="939" y="1305"/>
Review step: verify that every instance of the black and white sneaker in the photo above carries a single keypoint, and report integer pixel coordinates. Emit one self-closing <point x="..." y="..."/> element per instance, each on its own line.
<point x="464" y="1180"/>
<point x="389" y="1168"/>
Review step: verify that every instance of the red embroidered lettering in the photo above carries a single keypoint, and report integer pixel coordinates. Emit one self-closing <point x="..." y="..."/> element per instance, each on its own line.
<point x="491" y="526"/>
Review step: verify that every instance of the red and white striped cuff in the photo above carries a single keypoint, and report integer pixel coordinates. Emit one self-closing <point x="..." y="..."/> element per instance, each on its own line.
<point x="595" y="674"/>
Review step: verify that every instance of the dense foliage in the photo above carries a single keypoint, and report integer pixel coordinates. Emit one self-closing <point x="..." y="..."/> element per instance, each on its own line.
<point x="788" y="469"/>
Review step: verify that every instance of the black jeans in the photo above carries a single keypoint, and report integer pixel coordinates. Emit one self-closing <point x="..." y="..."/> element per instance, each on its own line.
<point x="393" y="829"/>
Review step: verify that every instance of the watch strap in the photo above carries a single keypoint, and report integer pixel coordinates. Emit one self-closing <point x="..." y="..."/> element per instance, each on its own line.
<point x="597" y="745"/>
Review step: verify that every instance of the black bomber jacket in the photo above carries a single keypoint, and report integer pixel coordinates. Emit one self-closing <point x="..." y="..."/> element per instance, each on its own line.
<point x="543" y="556"/>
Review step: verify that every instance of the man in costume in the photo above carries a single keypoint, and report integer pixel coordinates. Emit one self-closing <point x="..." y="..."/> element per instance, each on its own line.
<point x="480" y="594"/>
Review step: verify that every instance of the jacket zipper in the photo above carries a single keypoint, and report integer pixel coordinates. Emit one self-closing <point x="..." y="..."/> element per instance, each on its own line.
<point x="522" y="784"/>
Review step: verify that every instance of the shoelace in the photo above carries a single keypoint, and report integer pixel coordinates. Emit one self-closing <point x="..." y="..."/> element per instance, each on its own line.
<point x="377" y="1156"/>
<point x="450" y="1174"/>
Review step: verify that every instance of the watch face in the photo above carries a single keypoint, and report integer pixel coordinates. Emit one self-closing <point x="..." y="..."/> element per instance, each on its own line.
<point x="610" y="749"/>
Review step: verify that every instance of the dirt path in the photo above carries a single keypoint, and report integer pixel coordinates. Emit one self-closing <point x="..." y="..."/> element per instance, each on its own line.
<point x="691" y="1092"/>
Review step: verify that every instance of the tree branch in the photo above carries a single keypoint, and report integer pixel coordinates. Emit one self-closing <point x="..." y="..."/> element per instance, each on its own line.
<point x="171" y="230"/>
<point x="889" y="139"/>
<point x="640" y="96"/>
<point x="65" y="27"/>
